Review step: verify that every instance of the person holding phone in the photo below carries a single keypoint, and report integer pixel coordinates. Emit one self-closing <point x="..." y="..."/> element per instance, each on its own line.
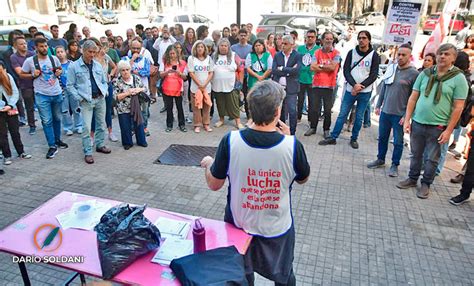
<point x="9" y="96"/>
<point x="173" y="72"/>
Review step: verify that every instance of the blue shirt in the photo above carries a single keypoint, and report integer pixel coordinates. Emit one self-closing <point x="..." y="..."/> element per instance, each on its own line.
<point x="95" y="88"/>
<point x="63" y="77"/>
<point x="79" y="82"/>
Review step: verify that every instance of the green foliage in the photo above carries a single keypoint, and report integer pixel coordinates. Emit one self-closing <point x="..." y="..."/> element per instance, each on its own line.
<point x="135" y="4"/>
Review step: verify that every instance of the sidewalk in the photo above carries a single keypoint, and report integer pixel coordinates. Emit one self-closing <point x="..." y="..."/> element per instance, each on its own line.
<point x="353" y="226"/>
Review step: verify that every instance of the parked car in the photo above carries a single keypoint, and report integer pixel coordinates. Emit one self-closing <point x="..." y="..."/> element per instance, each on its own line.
<point x="370" y="18"/>
<point x="284" y="23"/>
<point x="19" y="22"/>
<point x="5" y="30"/>
<point x="342" y="18"/>
<point x="157" y="19"/>
<point x="431" y="22"/>
<point x="91" y="12"/>
<point x="187" y="20"/>
<point x="107" y="16"/>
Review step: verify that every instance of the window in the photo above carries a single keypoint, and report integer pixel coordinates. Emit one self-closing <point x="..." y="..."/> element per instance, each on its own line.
<point x="300" y="23"/>
<point x="276" y="20"/>
<point x="199" y="19"/>
<point x="181" y="19"/>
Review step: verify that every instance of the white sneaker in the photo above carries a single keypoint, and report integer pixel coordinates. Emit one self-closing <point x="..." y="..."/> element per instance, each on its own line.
<point x="112" y="137"/>
<point x="7" y="161"/>
<point x="69" y="133"/>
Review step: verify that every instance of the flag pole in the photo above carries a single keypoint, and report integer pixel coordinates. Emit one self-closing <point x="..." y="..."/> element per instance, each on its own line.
<point x="452" y="25"/>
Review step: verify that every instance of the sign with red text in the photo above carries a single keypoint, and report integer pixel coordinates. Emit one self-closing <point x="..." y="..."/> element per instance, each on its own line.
<point x="402" y="20"/>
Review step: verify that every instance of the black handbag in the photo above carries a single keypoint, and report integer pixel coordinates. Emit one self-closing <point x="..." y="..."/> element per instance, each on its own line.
<point x="143" y="97"/>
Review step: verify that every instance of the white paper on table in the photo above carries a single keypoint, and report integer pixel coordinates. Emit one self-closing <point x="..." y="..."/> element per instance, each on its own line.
<point x="70" y="219"/>
<point x="171" y="228"/>
<point x="173" y="248"/>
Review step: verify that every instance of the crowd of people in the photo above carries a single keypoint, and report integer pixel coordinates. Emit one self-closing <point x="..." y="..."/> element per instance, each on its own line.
<point x="79" y="82"/>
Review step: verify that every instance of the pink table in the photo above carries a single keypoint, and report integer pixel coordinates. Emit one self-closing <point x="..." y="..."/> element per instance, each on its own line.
<point x="18" y="239"/>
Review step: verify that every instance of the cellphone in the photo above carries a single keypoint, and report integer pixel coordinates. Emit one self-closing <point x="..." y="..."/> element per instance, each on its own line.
<point x="174" y="67"/>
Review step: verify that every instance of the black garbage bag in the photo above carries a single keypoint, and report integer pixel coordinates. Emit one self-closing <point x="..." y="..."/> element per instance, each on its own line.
<point x="123" y="235"/>
<point x="222" y="266"/>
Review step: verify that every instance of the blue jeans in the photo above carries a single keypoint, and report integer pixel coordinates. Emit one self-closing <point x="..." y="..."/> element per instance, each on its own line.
<point x="367" y="113"/>
<point x="71" y="104"/>
<point x="145" y="106"/>
<point x="289" y="110"/>
<point x="456" y="134"/>
<point x="94" y="108"/>
<point x="387" y="123"/>
<point x="348" y="101"/>
<point x="424" y="139"/>
<point x="126" y="125"/>
<point x="49" y="108"/>
<point x="442" y="158"/>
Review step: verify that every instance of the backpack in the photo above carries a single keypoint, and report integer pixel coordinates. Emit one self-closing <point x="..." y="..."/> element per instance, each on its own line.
<point x="37" y="65"/>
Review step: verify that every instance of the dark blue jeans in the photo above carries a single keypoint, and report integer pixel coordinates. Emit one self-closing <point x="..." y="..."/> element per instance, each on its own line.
<point x="347" y="102"/>
<point x="387" y="123"/>
<point x="468" y="182"/>
<point x="125" y="122"/>
<point x="289" y="110"/>
<point x="424" y="139"/>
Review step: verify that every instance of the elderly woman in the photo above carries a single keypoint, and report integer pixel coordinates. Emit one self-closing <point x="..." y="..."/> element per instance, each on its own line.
<point x="9" y="117"/>
<point x="200" y="68"/>
<point x="127" y="87"/>
<point x="173" y="72"/>
<point x="225" y="76"/>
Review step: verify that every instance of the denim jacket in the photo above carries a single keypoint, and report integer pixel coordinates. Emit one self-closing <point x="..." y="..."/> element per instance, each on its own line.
<point x="79" y="82"/>
<point x="11" y="99"/>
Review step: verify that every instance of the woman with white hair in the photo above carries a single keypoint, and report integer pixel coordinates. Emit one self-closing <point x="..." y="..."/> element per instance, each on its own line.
<point x="127" y="89"/>
<point x="225" y="76"/>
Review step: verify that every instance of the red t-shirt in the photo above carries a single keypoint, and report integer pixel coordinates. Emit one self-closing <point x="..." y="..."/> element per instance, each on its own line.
<point x="326" y="79"/>
<point x="173" y="83"/>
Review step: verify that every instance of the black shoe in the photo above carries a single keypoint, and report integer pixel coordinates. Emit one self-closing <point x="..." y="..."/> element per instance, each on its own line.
<point x="310" y="132"/>
<point x="126" y="147"/>
<point x="376" y="164"/>
<point x="459" y="200"/>
<point x="51" y="153"/>
<point x="61" y="144"/>
<point x="183" y="129"/>
<point x="2" y="172"/>
<point x="452" y="146"/>
<point x="163" y="110"/>
<point x="169" y="129"/>
<point x="458" y="179"/>
<point x="143" y="145"/>
<point x="328" y="141"/>
<point x="354" y="144"/>
<point x="326" y="134"/>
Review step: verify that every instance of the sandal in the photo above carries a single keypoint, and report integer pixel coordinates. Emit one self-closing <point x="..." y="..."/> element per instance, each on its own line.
<point x="219" y="124"/>
<point x="197" y="129"/>
<point x="207" y="128"/>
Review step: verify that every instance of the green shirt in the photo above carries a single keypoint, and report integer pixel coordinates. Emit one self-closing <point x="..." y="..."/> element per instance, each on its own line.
<point x="112" y="53"/>
<point x="307" y="57"/>
<point x="426" y="111"/>
<point x="252" y="38"/>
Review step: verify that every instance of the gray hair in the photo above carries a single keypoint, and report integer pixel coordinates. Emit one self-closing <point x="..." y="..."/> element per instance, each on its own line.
<point x="216" y="32"/>
<point x="123" y="65"/>
<point x="288" y="38"/>
<point x="447" y="46"/>
<point x="229" y="52"/>
<point x="89" y="45"/>
<point x="264" y="99"/>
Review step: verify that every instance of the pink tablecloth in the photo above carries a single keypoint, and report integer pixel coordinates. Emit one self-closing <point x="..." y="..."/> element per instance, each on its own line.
<point x="17" y="239"/>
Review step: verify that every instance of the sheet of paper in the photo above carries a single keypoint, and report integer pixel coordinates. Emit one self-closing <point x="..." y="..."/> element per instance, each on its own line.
<point x="70" y="218"/>
<point x="173" y="248"/>
<point x="173" y="228"/>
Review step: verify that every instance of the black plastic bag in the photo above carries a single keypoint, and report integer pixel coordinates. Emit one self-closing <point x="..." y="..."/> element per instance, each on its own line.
<point x="123" y="235"/>
<point x="222" y="266"/>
